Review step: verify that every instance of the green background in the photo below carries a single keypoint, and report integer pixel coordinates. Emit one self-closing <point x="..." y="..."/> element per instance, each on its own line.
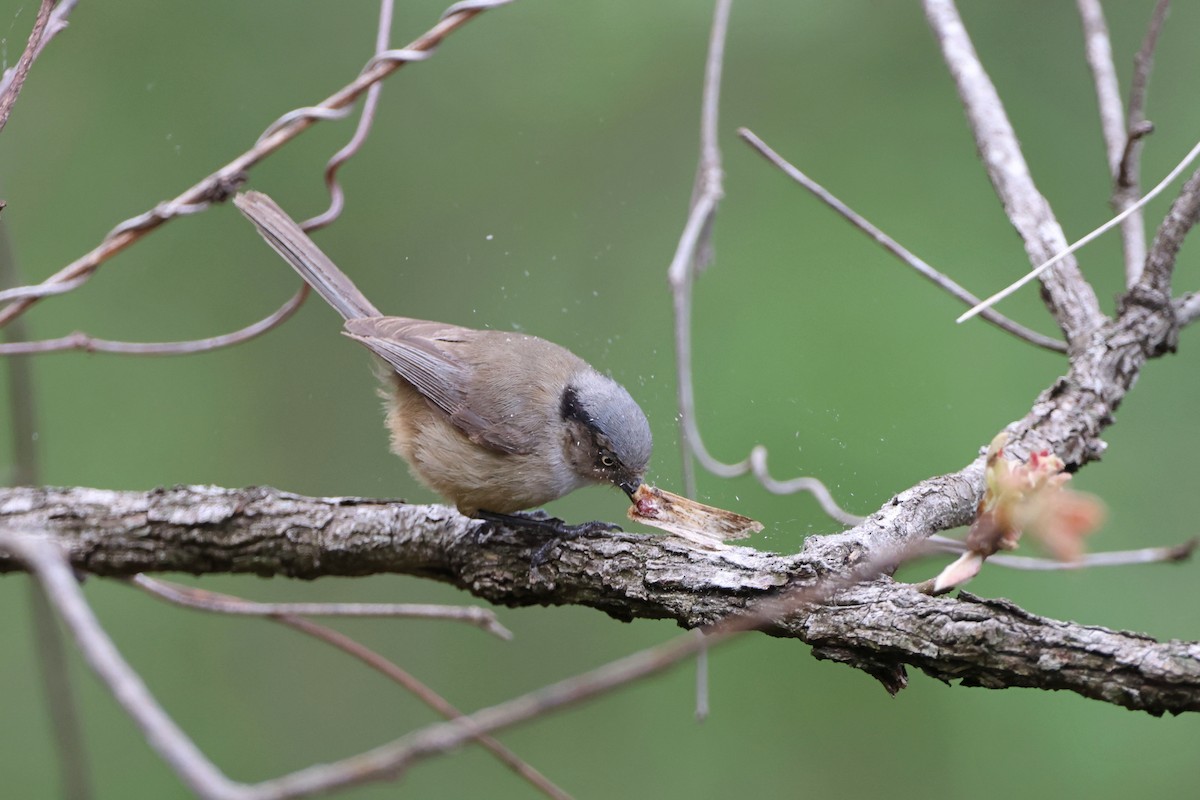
<point x="535" y="174"/>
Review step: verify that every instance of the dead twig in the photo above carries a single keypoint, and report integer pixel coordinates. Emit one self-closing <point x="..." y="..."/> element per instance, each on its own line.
<point x="431" y="698"/>
<point x="220" y="185"/>
<point x="946" y="283"/>
<point x="1069" y="297"/>
<point x="21" y="71"/>
<point x="691" y="254"/>
<point x="91" y="344"/>
<point x="214" y="602"/>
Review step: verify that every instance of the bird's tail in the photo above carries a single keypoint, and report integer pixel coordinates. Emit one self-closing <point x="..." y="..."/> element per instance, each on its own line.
<point x="290" y="241"/>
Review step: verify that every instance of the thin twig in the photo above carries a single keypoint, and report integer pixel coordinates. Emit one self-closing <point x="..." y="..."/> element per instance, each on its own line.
<point x="1184" y="213"/>
<point x="22" y="404"/>
<point x="1062" y="255"/>
<point x="1121" y="138"/>
<point x="82" y="341"/>
<point x="431" y="698"/>
<point x="220" y="185"/>
<point x="48" y="565"/>
<point x="57" y="24"/>
<point x="365" y="120"/>
<point x="1112" y="558"/>
<point x="1187" y="309"/>
<point x="693" y="255"/>
<point x="9" y="96"/>
<point x="1069" y="297"/>
<point x="946" y="283"/>
<point x="165" y="737"/>
<point x="393" y="759"/>
<point x="214" y="602"/>
<point x="61" y="699"/>
<point x="707" y="188"/>
<point x="681" y="275"/>
<point x="1097" y="48"/>
<point x="90" y="344"/>
<point x="1127" y="179"/>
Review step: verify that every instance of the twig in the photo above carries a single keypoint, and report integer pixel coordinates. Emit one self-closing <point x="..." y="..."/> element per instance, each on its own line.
<point x="365" y="120"/>
<point x="1097" y="48"/>
<point x="706" y="194"/>
<point x="1107" y="226"/>
<point x="60" y="697"/>
<point x="9" y="96"/>
<point x="1069" y="297"/>
<point x="22" y="413"/>
<point x="946" y="283"/>
<point x="394" y="758"/>
<point x="219" y="185"/>
<point x="426" y="695"/>
<point x="1187" y="309"/>
<point x="203" y="600"/>
<point x="693" y="245"/>
<point x="1121" y="139"/>
<point x="90" y="344"/>
<point x="1113" y="558"/>
<point x="82" y="341"/>
<point x="1155" y="283"/>
<point x="57" y="24"/>
<point x="46" y="562"/>
<point x="1127" y="185"/>
<point x="292" y="615"/>
<point x="695" y="248"/>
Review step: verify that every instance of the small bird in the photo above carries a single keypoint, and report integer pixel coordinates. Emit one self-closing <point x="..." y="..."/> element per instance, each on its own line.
<point x="493" y="421"/>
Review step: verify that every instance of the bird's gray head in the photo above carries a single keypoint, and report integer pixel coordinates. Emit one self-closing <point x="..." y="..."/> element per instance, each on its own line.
<point x="608" y="438"/>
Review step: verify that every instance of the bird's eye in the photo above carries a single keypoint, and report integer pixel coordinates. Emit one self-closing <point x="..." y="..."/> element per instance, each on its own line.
<point x="607" y="460"/>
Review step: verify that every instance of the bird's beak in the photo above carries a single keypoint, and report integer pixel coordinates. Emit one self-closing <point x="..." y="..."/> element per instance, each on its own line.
<point x="630" y="486"/>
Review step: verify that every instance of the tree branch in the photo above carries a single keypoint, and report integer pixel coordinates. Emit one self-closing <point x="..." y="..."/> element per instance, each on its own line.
<point x="1068" y="295"/>
<point x="877" y="627"/>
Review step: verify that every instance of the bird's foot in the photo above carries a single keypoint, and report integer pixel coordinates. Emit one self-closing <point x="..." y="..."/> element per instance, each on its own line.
<point x="559" y="530"/>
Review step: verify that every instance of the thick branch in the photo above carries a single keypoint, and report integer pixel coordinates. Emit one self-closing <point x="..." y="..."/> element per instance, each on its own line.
<point x="877" y="627"/>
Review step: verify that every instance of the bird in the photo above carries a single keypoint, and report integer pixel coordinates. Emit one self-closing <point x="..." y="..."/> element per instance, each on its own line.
<point x="496" y="422"/>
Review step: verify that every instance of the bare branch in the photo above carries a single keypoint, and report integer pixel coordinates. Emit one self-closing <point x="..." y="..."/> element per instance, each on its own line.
<point x="365" y="120"/>
<point x="1112" y="558"/>
<point x="1086" y="238"/>
<point x="1155" y="283"/>
<point x="395" y="758"/>
<point x="1097" y="48"/>
<point x="895" y="248"/>
<point x="877" y="628"/>
<point x="221" y="184"/>
<point x="1121" y="139"/>
<point x="22" y="406"/>
<point x="126" y="686"/>
<point x="55" y="25"/>
<point x="217" y="603"/>
<point x="426" y="695"/>
<point x="1187" y="308"/>
<point x="90" y="344"/>
<point x="13" y="88"/>
<point x="692" y="252"/>
<point x="61" y="699"/>
<point x="1128" y="182"/>
<point x="1069" y="297"/>
<point x="695" y="246"/>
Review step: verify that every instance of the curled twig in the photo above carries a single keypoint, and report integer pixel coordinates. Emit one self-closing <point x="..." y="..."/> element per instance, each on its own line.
<point x="217" y="183"/>
<point x="90" y="344"/>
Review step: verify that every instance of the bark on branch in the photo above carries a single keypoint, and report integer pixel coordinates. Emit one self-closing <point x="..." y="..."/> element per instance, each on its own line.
<point x="878" y="627"/>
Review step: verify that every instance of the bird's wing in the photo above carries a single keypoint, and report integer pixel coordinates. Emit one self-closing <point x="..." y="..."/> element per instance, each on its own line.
<point x="424" y="354"/>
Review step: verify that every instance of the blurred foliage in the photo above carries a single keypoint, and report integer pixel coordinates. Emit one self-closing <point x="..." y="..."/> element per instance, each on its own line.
<point x="535" y="174"/>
